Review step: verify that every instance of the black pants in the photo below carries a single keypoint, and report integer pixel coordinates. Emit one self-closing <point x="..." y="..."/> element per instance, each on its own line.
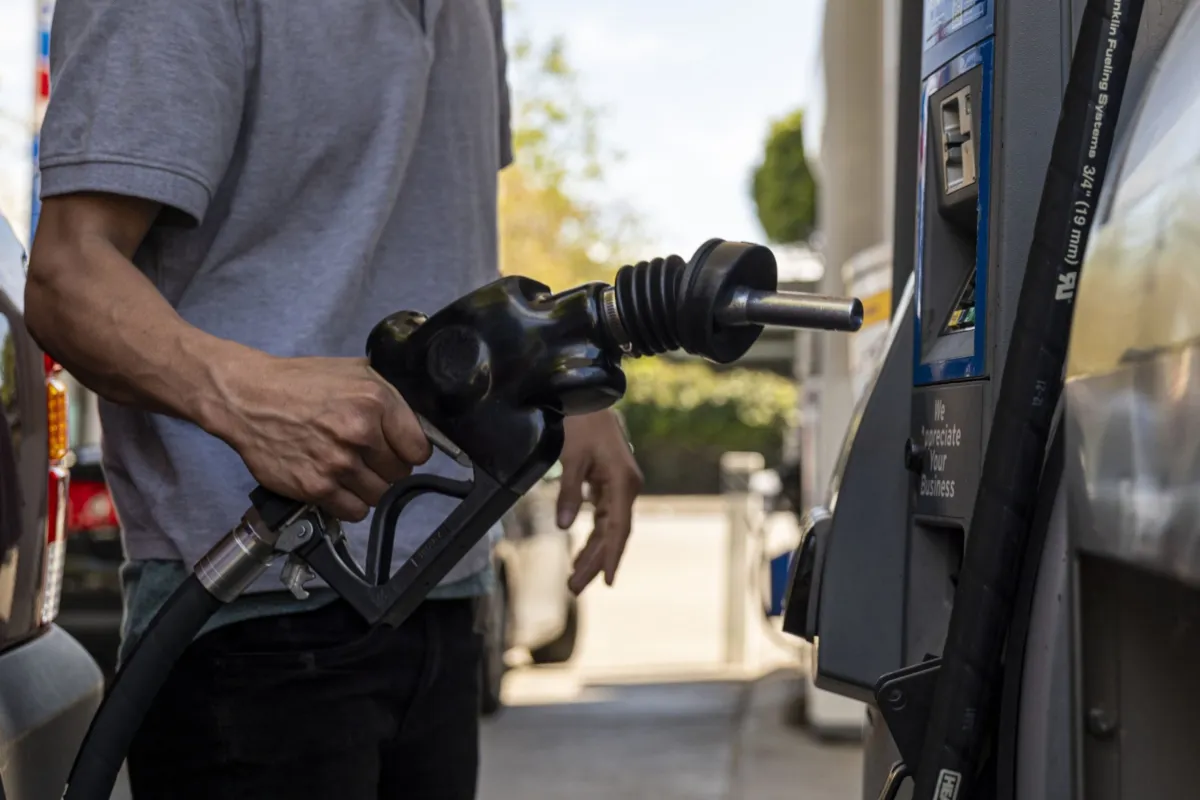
<point x="316" y="706"/>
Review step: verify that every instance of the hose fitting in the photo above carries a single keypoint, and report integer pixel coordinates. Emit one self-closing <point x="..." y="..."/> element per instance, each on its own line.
<point x="645" y="297"/>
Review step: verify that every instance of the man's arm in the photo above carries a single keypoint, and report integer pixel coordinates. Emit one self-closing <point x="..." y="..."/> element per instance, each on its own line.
<point x="92" y="310"/>
<point x="145" y="111"/>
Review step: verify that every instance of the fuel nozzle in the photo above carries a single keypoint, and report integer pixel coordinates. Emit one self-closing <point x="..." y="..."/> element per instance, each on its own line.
<point x="493" y="374"/>
<point x="715" y="305"/>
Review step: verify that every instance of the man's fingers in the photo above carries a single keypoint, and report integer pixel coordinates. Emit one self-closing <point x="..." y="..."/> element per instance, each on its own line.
<point x="582" y="578"/>
<point x="587" y="564"/>
<point x="403" y="433"/>
<point x="386" y="465"/>
<point x="570" y="493"/>
<point x="614" y="514"/>
<point x="346" y="506"/>
<point x="366" y="485"/>
<point x="594" y="544"/>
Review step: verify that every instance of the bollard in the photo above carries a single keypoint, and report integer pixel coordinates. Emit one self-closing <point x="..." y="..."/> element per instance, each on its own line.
<point x="736" y="471"/>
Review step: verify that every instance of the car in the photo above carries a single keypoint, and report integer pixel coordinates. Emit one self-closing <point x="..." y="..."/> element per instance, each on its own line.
<point x="50" y="687"/>
<point x="529" y="609"/>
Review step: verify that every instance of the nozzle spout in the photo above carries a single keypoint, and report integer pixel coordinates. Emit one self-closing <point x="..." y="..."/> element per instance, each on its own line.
<point x="746" y="306"/>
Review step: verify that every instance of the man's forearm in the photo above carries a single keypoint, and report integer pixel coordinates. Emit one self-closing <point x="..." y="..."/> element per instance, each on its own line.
<point x="95" y="313"/>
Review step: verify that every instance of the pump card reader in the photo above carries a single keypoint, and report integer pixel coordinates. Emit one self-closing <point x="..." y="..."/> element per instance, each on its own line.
<point x="954" y="220"/>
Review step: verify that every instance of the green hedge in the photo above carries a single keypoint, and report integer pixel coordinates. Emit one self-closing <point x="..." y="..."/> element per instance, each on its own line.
<point x="683" y="416"/>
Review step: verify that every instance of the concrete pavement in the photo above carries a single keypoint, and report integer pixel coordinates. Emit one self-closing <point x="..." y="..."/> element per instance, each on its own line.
<point x="776" y="760"/>
<point x="691" y="739"/>
<point x="617" y="741"/>
<point x="649" y="709"/>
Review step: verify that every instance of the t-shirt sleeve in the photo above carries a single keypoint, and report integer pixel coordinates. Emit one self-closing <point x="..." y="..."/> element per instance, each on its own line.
<point x="146" y="100"/>
<point x="506" y="139"/>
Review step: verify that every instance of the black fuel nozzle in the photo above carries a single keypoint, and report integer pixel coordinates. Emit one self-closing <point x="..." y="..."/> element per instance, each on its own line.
<point x="715" y="305"/>
<point x="492" y="375"/>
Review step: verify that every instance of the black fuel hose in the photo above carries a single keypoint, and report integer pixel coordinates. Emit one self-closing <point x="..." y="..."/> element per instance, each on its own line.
<point x="134" y="689"/>
<point x="965" y="700"/>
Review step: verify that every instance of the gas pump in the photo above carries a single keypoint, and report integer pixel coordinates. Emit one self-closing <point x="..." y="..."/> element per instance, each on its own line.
<point x="917" y="580"/>
<point x="884" y="591"/>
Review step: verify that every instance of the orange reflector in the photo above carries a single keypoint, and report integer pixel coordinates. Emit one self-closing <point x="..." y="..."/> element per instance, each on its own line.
<point x="56" y="490"/>
<point x="56" y="419"/>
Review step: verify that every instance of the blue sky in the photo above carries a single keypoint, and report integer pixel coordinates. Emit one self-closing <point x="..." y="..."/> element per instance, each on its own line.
<point x="686" y="87"/>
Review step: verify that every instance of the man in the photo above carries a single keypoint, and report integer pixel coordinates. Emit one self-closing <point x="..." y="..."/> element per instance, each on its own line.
<point x="235" y="192"/>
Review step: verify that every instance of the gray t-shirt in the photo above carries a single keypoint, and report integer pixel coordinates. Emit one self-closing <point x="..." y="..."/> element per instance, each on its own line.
<point x="323" y="164"/>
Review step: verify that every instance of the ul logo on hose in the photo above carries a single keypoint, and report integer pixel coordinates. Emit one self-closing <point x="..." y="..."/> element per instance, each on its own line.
<point x="947" y="785"/>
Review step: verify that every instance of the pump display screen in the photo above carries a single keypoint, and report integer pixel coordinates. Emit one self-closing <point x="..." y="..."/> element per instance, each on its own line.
<point x="944" y="17"/>
<point x="962" y="317"/>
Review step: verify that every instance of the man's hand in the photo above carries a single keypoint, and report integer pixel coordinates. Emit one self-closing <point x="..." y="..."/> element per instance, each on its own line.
<point x="328" y="431"/>
<point x="597" y="453"/>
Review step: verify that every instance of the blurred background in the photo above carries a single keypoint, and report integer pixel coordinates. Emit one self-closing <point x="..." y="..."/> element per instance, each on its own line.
<point x="641" y="129"/>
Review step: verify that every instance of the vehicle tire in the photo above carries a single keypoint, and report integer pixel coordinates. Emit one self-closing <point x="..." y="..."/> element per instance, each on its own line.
<point x="495" y="644"/>
<point x="561" y="649"/>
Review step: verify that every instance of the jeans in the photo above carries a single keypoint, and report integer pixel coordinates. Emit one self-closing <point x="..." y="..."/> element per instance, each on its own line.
<point x="317" y="705"/>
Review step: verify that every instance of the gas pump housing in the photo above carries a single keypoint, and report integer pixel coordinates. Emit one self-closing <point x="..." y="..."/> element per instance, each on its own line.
<point x="874" y="588"/>
<point x="901" y="510"/>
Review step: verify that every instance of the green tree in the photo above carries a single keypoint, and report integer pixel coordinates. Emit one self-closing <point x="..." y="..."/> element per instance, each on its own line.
<point x="783" y="188"/>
